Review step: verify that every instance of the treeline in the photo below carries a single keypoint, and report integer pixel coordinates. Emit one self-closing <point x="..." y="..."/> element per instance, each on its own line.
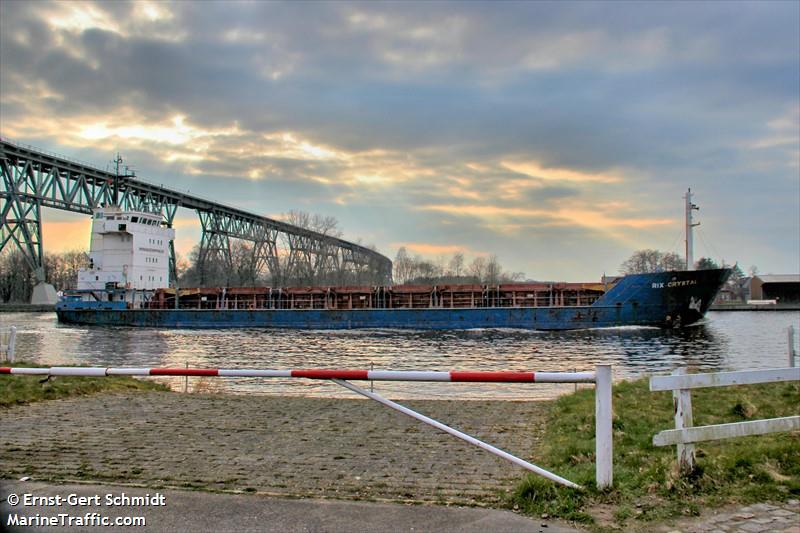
<point x="735" y="283"/>
<point x="17" y="278"/>
<point x="644" y="261"/>
<point x="250" y="267"/>
<point x="481" y="270"/>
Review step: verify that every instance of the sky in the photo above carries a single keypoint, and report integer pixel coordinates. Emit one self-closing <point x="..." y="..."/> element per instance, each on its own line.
<point x="560" y="137"/>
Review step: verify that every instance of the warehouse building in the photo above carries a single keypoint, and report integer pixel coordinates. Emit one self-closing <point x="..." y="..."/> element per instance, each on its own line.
<point x="783" y="288"/>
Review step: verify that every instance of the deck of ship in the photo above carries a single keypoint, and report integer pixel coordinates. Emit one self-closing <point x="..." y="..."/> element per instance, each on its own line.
<point x="396" y="297"/>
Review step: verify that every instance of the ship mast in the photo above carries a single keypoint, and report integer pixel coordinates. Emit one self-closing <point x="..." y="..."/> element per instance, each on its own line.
<point x="689" y="225"/>
<point x="118" y="177"/>
<point x="115" y="191"/>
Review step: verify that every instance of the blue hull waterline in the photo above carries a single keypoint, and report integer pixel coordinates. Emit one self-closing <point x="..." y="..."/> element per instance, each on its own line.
<point x="664" y="299"/>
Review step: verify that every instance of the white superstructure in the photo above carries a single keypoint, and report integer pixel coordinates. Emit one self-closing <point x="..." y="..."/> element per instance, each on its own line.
<point x="129" y="249"/>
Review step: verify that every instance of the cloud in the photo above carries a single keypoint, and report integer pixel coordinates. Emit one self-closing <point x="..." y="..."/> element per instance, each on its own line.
<point x="432" y="249"/>
<point x="540" y="130"/>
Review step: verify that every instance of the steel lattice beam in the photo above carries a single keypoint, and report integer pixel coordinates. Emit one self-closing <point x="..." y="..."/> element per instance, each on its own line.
<point x="32" y="179"/>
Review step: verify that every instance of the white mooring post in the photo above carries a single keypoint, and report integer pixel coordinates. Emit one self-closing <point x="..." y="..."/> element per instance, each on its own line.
<point x="790" y="339"/>
<point x="604" y="469"/>
<point x="682" y="403"/>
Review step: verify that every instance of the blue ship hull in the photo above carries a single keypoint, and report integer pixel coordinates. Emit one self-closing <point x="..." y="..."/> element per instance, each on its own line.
<point x="665" y="299"/>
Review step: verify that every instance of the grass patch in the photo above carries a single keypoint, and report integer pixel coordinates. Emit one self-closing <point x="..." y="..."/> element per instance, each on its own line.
<point x="15" y="390"/>
<point x="647" y="486"/>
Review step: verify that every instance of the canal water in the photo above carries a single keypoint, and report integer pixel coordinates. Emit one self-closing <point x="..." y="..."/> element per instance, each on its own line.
<point x="723" y="341"/>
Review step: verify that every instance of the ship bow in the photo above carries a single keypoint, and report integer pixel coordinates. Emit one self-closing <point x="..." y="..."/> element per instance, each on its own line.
<point x="667" y="299"/>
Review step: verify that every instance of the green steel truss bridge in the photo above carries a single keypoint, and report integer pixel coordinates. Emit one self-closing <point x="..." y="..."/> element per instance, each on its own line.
<point x="32" y="179"/>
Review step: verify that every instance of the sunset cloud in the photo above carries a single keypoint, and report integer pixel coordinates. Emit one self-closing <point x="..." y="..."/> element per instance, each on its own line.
<point x="558" y="136"/>
<point x="431" y="249"/>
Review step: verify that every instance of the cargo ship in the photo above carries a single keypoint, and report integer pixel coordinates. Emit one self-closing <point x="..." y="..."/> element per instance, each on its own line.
<point x="664" y="299"/>
<point x="123" y="286"/>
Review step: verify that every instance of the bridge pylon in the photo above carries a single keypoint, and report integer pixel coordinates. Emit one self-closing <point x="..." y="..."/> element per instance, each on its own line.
<point x="20" y="224"/>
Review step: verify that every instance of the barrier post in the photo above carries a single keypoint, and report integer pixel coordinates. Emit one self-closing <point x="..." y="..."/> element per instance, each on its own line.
<point x="604" y="469"/>
<point x="790" y="335"/>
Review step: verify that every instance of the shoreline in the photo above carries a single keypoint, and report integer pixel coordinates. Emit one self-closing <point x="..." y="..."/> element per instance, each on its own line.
<point x="26" y="308"/>
<point x="752" y="307"/>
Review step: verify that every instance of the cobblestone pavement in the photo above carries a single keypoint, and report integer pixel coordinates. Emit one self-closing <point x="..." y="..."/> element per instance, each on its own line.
<point x="274" y="445"/>
<point x="300" y="447"/>
<point x="762" y="517"/>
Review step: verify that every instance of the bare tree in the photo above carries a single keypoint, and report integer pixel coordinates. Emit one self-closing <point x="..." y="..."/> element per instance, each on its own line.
<point x="61" y="269"/>
<point x="301" y="265"/>
<point x="403" y="266"/>
<point x="244" y="264"/>
<point x="17" y="279"/>
<point x="512" y="277"/>
<point x="326" y="225"/>
<point x="477" y="269"/>
<point x="456" y="265"/>
<point x="643" y="261"/>
<point x="493" y="271"/>
<point x="426" y="272"/>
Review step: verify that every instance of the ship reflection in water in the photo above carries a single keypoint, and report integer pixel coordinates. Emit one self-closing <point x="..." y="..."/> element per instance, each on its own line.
<point x="724" y="341"/>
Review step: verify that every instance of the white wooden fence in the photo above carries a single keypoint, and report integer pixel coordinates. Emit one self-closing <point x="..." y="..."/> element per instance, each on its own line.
<point x="685" y="434"/>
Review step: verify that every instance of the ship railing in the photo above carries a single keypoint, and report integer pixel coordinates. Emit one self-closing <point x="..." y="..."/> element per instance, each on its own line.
<point x="601" y="377"/>
<point x="322" y="301"/>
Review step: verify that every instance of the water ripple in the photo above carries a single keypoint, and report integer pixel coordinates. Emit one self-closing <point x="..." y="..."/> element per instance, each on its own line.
<point x="724" y="341"/>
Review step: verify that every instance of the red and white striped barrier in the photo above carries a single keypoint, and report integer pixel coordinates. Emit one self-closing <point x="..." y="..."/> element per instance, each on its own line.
<point x="318" y="373"/>
<point x="601" y="377"/>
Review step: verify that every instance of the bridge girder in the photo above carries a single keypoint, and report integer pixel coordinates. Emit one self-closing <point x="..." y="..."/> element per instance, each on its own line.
<point x="32" y="179"/>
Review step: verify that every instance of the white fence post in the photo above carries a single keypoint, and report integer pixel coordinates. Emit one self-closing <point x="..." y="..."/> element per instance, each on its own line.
<point x="685" y="434"/>
<point x="604" y="469"/>
<point x="8" y="347"/>
<point x="790" y="335"/>
<point x="12" y="339"/>
<point x="682" y="403"/>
